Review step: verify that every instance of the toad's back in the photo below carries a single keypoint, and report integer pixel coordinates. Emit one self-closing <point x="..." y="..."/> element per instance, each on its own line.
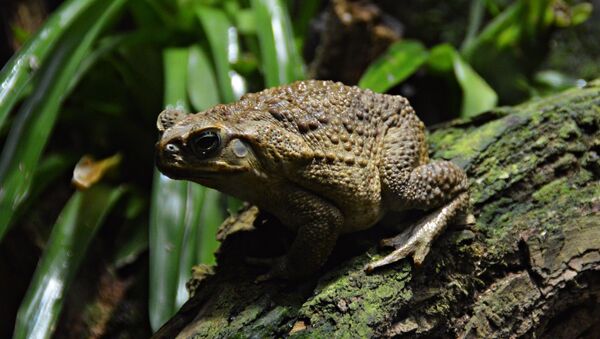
<point x="344" y="128"/>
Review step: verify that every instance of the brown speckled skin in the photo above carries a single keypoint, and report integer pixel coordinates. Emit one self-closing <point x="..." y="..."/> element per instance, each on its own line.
<point x="325" y="159"/>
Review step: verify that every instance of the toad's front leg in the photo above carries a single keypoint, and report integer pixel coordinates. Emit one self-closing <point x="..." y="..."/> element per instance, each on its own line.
<point x="318" y="225"/>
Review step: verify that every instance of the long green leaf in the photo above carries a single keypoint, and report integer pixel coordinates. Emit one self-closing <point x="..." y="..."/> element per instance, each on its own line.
<point x="202" y="86"/>
<point x="35" y="120"/>
<point x="211" y="219"/>
<point x="48" y="170"/>
<point x="76" y="226"/>
<point x="281" y="62"/>
<point x="225" y="50"/>
<point x="174" y="222"/>
<point x="400" y="61"/>
<point x="17" y="72"/>
<point x="174" y="214"/>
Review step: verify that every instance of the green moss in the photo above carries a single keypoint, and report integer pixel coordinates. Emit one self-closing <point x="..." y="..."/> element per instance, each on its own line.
<point x="466" y="145"/>
<point x="355" y="302"/>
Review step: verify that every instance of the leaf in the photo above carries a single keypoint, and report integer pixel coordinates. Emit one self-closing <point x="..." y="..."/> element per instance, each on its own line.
<point x="478" y="96"/>
<point x="399" y="62"/>
<point x="75" y="228"/>
<point x="511" y="46"/>
<point x="49" y="169"/>
<point x="19" y="70"/>
<point x="280" y="60"/>
<point x="33" y="124"/>
<point x="202" y="86"/>
<point x="211" y="219"/>
<point x="132" y="238"/>
<point x="580" y="13"/>
<point x="174" y="215"/>
<point x="225" y="50"/>
<point x="88" y="171"/>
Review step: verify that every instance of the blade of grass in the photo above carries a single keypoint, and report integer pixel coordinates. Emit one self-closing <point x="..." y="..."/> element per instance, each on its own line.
<point x="76" y="226"/>
<point x="280" y="60"/>
<point x="35" y="119"/>
<point x="18" y="71"/>
<point x="223" y="39"/>
<point x="400" y="61"/>
<point x="174" y="214"/>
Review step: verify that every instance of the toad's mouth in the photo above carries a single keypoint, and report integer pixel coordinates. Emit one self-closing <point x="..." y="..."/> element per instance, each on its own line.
<point x="205" y="171"/>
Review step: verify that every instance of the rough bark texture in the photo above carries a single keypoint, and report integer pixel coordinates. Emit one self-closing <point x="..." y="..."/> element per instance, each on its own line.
<point x="529" y="267"/>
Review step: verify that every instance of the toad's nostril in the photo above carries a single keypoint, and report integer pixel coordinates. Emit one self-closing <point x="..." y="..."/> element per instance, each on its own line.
<point x="171" y="149"/>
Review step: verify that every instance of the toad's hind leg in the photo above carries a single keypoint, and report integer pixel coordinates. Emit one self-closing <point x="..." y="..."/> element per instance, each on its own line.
<point x="438" y="185"/>
<point x="417" y="239"/>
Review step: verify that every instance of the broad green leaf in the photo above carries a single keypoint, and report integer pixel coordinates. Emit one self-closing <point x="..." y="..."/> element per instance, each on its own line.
<point x="440" y="58"/>
<point x="478" y="96"/>
<point x="75" y="228"/>
<point x="280" y="60"/>
<point x="174" y="214"/>
<point x="36" y="117"/>
<point x="399" y="62"/>
<point x="580" y="13"/>
<point x="225" y="50"/>
<point x="202" y="86"/>
<point x="18" y="71"/>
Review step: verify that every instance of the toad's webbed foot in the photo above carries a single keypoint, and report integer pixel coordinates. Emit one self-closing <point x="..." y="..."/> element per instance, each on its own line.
<point x="416" y="240"/>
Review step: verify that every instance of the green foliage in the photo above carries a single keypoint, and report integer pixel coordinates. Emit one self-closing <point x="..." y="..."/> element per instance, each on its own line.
<point x="34" y="121"/>
<point x="75" y="228"/>
<point x="477" y="94"/>
<point x="400" y="61"/>
<point x="496" y="63"/>
<point x="211" y="51"/>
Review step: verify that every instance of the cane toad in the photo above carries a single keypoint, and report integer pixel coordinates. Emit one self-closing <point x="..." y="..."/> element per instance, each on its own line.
<point x="322" y="157"/>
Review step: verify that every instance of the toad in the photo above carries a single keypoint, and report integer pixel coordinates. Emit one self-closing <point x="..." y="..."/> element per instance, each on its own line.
<point x="322" y="157"/>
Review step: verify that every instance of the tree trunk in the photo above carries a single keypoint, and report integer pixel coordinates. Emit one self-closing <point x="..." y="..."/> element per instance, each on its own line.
<point x="528" y="267"/>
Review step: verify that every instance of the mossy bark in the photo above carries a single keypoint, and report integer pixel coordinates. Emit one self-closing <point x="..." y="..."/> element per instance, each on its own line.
<point x="529" y="266"/>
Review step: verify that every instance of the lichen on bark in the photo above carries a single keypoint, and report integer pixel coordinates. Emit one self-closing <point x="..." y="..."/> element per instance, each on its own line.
<point x="529" y="266"/>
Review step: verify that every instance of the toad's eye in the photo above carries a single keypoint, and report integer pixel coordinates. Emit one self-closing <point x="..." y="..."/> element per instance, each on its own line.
<point x="205" y="144"/>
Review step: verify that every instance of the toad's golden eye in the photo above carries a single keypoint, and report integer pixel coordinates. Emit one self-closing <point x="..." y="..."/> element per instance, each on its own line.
<point x="205" y="144"/>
